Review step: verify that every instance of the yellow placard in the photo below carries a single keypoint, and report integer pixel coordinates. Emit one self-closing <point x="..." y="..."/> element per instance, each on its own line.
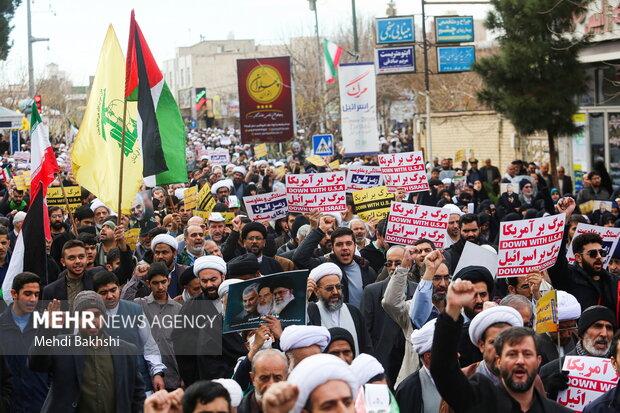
<point x="460" y="155"/>
<point x="372" y="203"/>
<point x="205" y="201"/>
<point x="55" y="198"/>
<point x="131" y="237"/>
<point x="334" y="165"/>
<point x="27" y="178"/>
<point x="202" y="214"/>
<point x="316" y="160"/>
<point x="280" y="170"/>
<point x="228" y="216"/>
<point x="260" y="151"/>
<point x="547" y="313"/>
<point x="586" y="207"/>
<point x="579" y="118"/>
<point x="190" y="197"/>
<point x="20" y="182"/>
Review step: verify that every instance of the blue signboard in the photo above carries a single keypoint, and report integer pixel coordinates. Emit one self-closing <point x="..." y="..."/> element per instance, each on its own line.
<point x="395" y="30"/>
<point x="455" y="59"/>
<point x="395" y="60"/>
<point x="454" y="29"/>
<point x="323" y="145"/>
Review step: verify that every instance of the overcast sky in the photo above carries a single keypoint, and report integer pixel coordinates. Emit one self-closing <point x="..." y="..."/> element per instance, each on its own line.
<point x="76" y="28"/>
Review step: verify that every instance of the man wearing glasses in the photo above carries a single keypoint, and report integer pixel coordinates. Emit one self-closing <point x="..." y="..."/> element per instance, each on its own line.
<point x="586" y="279"/>
<point x="331" y="311"/>
<point x="254" y="237"/>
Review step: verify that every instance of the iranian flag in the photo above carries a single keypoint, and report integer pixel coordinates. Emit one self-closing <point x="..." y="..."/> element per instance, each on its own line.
<point x="29" y="253"/>
<point x="161" y="132"/>
<point x="332" y="59"/>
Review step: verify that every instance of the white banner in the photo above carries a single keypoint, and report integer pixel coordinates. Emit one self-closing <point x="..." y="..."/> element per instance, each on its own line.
<point x="408" y="223"/>
<point x="609" y="235"/>
<point x="528" y="245"/>
<point x="358" y="108"/>
<point x="363" y="177"/>
<point x="324" y="191"/>
<point x="588" y="379"/>
<point x="404" y="170"/>
<point x="219" y="156"/>
<point x="265" y="207"/>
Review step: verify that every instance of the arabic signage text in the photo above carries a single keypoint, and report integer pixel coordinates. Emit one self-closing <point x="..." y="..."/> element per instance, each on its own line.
<point x="266" y="99"/>
<point x="529" y="245"/>
<point x="362" y="177"/>
<point x="588" y="379"/>
<point x="454" y="29"/>
<point x="324" y="191"/>
<point x="395" y="60"/>
<point x="408" y="223"/>
<point x="266" y="207"/>
<point x="404" y="170"/>
<point x="395" y="30"/>
<point x="455" y="59"/>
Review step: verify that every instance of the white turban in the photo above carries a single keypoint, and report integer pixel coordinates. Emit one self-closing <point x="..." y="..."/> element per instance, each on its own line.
<point x="164" y="239"/>
<point x="485" y="319"/>
<point x="365" y="367"/>
<point x="336" y="215"/>
<point x="179" y="193"/>
<point x="422" y="339"/>
<point x="239" y="169"/>
<point x="327" y="268"/>
<point x="453" y="209"/>
<point x="568" y="307"/>
<point x="234" y="390"/>
<point x="225" y="285"/>
<point x="224" y="183"/>
<point x="19" y="217"/>
<point x="209" y="261"/>
<point x="316" y="370"/>
<point x="278" y="164"/>
<point x="261" y="162"/>
<point x="230" y="166"/>
<point x="304" y="336"/>
<point x="97" y="203"/>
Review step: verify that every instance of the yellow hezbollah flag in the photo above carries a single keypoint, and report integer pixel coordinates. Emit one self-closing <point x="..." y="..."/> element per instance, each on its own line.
<point x="95" y="157"/>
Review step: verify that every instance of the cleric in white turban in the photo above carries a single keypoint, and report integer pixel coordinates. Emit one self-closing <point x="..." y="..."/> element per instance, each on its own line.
<point x="240" y="170"/>
<point x="568" y="307"/>
<point x="164" y="239"/>
<point x="225" y="286"/>
<point x="328" y="268"/>
<point x="422" y="338"/>
<point x="224" y="183"/>
<point x="367" y="369"/>
<point x="317" y="370"/>
<point x="295" y="336"/>
<point x="233" y="389"/>
<point x="487" y="318"/>
<point x="209" y="262"/>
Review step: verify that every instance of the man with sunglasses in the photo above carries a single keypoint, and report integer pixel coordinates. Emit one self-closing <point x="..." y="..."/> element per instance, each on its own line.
<point x="586" y="279"/>
<point x="331" y="311"/>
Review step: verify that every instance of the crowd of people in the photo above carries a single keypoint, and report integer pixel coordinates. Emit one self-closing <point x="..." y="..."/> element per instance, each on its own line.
<point x="395" y="323"/>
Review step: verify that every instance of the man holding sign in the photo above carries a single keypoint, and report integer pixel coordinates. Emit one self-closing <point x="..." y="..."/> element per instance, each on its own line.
<point x="585" y="279"/>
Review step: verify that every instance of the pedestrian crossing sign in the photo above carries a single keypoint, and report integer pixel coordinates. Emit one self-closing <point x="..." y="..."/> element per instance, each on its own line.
<point x="323" y="145"/>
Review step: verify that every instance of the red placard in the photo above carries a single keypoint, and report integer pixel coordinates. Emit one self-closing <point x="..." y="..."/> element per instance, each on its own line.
<point x="266" y="100"/>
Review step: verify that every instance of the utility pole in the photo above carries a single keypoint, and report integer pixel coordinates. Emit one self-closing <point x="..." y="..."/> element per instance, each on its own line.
<point x="356" y="46"/>
<point x="321" y="85"/>
<point x="31" y="40"/>
<point x="427" y="87"/>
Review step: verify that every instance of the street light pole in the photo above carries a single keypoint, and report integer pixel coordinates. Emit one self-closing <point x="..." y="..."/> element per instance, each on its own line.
<point x="321" y="88"/>
<point x="31" y="40"/>
<point x="356" y="46"/>
<point x="427" y="86"/>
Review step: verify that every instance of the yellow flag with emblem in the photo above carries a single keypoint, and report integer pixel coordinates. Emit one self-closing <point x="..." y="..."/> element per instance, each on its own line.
<point x="95" y="157"/>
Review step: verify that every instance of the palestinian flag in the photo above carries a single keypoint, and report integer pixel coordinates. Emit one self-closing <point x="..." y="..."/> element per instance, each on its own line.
<point x="161" y="131"/>
<point x="331" y="61"/>
<point x="29" y="252"/>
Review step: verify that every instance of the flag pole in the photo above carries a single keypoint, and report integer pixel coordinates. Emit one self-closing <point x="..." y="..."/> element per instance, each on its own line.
<point x="172" y="207"/>
<point x="120" y="177"/>
<point x="64" y="195"/>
